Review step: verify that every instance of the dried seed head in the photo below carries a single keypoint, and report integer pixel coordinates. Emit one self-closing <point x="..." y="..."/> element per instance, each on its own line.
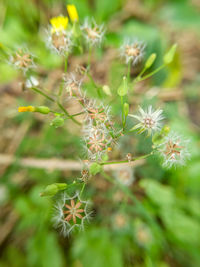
<point x="85" y="175"/>
<point x="125" y="176"/>
<point x="119" y="221"/>
<point x="70" y="213"/>
<point x="60" y="42"/>
<point x="142" y="233"/>
<point x="129" y="157"/>
<point x="22" y="59"/>
<point x="174" y="150"/>
<point x="92" y="32"/>
<point x="72" y="85"/>
<point x="97" y="113"/>
<point x="132" y="51"/>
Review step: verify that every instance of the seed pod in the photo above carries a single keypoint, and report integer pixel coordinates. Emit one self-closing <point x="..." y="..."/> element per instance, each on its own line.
<point x="150" y="61"/>
<point x="42" y="109"/>
<point x="169" y="56"/>
<point x="57" y="122"/>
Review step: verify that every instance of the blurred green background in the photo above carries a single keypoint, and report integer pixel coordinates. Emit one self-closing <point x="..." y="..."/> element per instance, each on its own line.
<point x="118" y="235"/>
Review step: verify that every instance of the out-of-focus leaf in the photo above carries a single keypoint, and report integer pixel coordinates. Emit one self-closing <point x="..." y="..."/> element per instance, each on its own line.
<point x="183" y="227"/>
<point x="161" y="195"/>
<point x="95" y="248"/>
<point x="104" y="8"/>
<point x="43" y="250"/>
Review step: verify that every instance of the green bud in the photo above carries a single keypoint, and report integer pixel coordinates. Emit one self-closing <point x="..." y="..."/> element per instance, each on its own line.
<point x="150" y="61"/>
<point x="49" y="191"/>
<point x="57" y="122"/>
<point x="42" y="109"/>
<point x="123" y="88"/>
<point x="169" y="56"/>
<point x="165" y="130"/>
<point x="53" y="189"/>
<point x="95" y="168"/>
<point x="158" y="137"/>
<point x="126" y="109"/>
<point x="61" y="186"/>
<point x="106" y="90"/>
<point x="105" y="157"/>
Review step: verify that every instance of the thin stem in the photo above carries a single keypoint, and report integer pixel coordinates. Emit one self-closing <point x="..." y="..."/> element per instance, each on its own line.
<point x="126" y="161"/>
<point x="122" y="106"/>
<point x="66" y="62"/>
<point x="60" y="90"/>
<point x="140" y="74"/>
<point x="77" y="114"/>
<point x="82" y="189"/>
<point x="42" y="93"/>
<point x="66" y="112"/>
<point x="151" y="73"/>
<point x="95" y="85"/>
<point x="58" y="103"/>
<point x="89" y="56"/>
<point x="129" y="70"/>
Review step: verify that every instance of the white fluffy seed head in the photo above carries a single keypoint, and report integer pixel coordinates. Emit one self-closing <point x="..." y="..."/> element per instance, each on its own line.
<point x="132" y="51"/>
<point x="59" y="42"/>
<point x="149" y="120"/>
<point x="92" y="32"/>
<point x="22" y="59"/>
<point x="72" y="85"/>
<point x="70" y="213"/>
<point x="174" y="150"/>
<point x="125" y="176"/>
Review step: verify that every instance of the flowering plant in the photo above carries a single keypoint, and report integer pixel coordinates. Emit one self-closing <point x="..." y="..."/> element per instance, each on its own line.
<point x="101" y="131"/>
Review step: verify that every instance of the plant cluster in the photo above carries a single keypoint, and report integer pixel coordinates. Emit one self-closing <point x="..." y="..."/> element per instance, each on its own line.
<point x="100" y="133"/>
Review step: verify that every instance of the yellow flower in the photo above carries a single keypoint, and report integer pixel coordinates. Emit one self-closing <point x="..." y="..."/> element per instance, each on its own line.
<point x="25" y="109"/>
<point x="59" y="24"/>
<point x="109" y="149"/>
<point x="72" y="11"/>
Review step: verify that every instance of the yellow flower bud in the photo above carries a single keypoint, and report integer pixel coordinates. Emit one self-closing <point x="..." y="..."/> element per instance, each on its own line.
<point x="59" y="24"/>
<point x="72" y="11"/>
<point x="109" y="149"/>
<point x="26" y="109"/>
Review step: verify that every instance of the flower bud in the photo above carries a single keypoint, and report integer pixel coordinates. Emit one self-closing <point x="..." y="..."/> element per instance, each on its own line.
<point x="72" y="11"/>
<point x="123" y="88"/>
<point x="57" y="122"/>
<point x="42" y="109"/>
<point x="106" y="90"/>
<point x="126" y="109"/>
<point x="159" y="136"/>
<point x="95" y="168"/>
<point x="169" y="56"/>
<point x="26" y="109"/>
<point x="165" y="130"/>
<point x="150" y="61"/>
<point x="53" y="189"/>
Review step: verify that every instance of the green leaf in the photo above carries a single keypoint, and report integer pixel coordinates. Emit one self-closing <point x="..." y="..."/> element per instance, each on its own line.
<point x="161" y="195"/>
<point x="183" y="227"/>
<point x="95" y="168"/>
<point x="95" y="248"/>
